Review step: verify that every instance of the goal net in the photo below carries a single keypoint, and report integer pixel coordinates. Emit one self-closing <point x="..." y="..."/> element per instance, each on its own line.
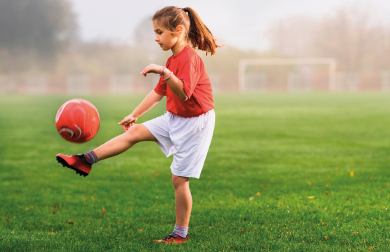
<point x="287" y="74"/>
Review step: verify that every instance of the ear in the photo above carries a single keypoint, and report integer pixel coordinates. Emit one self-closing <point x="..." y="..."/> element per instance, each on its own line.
<point x="179" y="31"/>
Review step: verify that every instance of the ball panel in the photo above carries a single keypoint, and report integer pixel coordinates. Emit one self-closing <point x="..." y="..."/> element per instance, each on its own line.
<point x="91" y="106"/>
<point x="66" y="133"/>
<point x="77" y="121"/>
<point x="62" y="108"/>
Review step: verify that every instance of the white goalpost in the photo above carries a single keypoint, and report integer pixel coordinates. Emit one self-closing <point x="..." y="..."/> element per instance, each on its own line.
<point x="244" y="63"/>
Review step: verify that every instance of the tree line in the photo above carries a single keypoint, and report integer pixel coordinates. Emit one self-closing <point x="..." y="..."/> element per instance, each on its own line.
<point x="42" y="36"/>
<point x="350" y="35"/>
<point x="33" y="32"/>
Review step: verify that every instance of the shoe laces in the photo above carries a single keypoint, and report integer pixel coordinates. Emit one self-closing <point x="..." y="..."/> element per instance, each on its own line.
<point x="170" y="236"/>
<point x="173" y="235"/>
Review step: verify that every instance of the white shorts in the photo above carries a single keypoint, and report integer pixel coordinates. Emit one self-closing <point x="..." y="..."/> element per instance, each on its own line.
<point x="188" y="139"/>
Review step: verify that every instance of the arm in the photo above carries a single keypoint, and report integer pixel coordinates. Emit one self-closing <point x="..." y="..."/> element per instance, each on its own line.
<point x="149" y="102"/>
<point x="174" y="83"/>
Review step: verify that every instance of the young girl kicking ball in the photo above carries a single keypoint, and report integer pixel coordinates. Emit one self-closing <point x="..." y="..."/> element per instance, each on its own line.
<point x="185" y="131"/>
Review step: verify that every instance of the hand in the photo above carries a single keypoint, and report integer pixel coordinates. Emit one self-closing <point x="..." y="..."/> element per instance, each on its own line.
<point x="152" y="68"/>
<point x="127" y="122"/>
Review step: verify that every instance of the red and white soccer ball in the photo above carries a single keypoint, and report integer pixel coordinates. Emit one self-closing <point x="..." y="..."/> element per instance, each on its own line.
<point x="77" y="121"/>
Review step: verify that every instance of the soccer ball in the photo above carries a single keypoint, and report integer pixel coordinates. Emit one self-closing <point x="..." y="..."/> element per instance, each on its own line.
<point x="77" y="121"/>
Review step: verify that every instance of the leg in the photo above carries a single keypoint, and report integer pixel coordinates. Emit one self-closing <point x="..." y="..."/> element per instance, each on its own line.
<point x="136" y="133"/>
<point x="183" y="200"/>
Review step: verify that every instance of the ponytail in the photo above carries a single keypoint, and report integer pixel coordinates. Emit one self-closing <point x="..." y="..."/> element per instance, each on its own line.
<point x="197" y="33"/>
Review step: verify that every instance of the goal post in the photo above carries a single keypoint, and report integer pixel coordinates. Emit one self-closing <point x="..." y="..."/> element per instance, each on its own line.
<point x="244" y="63"/>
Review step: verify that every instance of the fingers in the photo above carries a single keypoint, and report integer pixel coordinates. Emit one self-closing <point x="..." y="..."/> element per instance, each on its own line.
<point x="126" y="126"/>
<point x="146" y="71"/>
<point x="152" y="68"/>
<point x="125" y="120"/>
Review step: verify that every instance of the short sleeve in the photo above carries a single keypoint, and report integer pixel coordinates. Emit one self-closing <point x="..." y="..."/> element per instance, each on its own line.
<point x="190" y="77"/>
<point x="161" y="87"/>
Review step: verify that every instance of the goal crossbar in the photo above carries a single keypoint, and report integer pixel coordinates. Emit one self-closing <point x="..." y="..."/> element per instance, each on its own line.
<point x="244" y="63"/>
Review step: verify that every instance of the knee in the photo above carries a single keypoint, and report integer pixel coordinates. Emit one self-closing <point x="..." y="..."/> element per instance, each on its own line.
<point x="133" y="134"/>
<point x="179" y="182"/>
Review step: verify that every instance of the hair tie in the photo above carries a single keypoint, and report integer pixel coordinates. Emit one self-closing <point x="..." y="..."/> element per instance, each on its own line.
<point x="184" y="9"/>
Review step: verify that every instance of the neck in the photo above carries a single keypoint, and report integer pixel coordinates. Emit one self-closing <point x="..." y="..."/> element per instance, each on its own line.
<point x="178" y="47"/>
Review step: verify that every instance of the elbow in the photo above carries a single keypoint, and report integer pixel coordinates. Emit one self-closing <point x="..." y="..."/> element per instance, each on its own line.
<point x="183" y="96"/>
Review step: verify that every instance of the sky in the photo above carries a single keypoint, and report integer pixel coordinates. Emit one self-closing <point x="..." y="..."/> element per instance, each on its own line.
<point x="241" y="24"/>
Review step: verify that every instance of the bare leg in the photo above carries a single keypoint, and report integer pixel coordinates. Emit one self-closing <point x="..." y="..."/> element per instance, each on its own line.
<point x="136" y="133"/>
<point x="183" y="200"/>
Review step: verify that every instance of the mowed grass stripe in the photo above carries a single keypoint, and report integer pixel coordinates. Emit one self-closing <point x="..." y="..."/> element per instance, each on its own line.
<point x="277" y="177"/>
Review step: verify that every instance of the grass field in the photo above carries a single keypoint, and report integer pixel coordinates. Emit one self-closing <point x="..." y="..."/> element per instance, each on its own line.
<point x="285" y="172"/>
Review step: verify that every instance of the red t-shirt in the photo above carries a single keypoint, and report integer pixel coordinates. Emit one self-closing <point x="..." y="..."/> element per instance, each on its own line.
<point x="188" y="67"/>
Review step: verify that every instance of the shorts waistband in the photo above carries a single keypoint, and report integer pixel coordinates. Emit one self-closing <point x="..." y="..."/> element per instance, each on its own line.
<point x="173" y="114"/>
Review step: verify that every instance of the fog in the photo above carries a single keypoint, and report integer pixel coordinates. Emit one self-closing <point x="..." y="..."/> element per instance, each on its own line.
<point x="241" y="24"/>
<point x="101" y="46"/>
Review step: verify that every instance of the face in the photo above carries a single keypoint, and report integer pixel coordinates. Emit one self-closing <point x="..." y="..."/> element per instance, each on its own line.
<point x="164" y="37"/>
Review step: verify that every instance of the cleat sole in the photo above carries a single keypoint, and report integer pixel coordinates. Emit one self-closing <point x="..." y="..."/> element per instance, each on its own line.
<point x="65" y="164"/>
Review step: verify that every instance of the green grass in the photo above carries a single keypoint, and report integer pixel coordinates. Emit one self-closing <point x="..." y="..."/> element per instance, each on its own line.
<point x="277" y="178"/>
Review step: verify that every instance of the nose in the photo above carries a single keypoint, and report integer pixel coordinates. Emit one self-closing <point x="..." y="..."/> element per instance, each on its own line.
<point x="156" y="38"/>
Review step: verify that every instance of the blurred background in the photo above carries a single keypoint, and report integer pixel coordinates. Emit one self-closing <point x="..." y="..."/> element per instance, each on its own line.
<point x="87" y="47"/>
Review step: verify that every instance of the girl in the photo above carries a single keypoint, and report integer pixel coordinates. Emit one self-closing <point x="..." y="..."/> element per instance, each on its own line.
<point x="185" y="131"/>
